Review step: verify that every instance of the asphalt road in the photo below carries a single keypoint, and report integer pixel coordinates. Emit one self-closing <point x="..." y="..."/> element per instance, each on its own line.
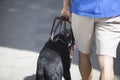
<point x="24" y="28"/>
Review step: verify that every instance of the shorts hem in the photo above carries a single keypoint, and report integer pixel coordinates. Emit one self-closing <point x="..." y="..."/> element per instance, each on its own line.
<point x="106" y="53"/>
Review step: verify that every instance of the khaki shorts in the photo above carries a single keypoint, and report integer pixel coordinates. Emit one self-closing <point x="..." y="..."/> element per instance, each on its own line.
<point x="105" y="32"/>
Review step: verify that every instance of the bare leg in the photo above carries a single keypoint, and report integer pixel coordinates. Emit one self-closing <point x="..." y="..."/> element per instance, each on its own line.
<point x="106" y="66"/>
<point x="85" y="66"/>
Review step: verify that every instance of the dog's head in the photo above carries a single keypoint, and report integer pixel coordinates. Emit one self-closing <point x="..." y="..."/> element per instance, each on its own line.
<point x="65" y="37"/>
<point x="61" y="43"/>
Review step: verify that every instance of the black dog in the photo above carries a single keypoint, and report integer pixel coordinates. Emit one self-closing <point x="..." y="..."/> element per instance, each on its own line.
<point x="54" y="60"/>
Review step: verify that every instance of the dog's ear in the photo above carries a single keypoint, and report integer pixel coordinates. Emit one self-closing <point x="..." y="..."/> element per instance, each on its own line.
<point x="71" y="38"/>
<point x="72" y="41"/>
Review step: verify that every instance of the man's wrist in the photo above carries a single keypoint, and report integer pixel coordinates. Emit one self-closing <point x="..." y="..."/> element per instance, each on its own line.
<point x="66" y="4"/>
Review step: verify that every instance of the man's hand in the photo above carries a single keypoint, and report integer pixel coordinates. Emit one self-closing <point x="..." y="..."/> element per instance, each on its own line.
<point x="66" y="13"/>
<point x="65" y="10"/>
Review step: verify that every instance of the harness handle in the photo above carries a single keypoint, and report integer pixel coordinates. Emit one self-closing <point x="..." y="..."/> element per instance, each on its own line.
<point x="58" y="26"/>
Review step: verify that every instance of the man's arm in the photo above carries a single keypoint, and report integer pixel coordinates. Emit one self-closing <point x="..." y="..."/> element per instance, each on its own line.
<point x="66" y="9"/>
<point x="66" y="4"/>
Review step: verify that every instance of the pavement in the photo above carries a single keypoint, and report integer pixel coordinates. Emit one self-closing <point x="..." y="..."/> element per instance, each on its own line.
<point x="24" y="28"/>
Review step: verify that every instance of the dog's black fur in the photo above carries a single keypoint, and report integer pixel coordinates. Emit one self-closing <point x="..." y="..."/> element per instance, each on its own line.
<point x="54" y="60"/>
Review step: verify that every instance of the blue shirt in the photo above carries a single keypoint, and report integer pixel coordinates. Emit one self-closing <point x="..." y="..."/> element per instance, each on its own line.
<point x="96" y="8"/>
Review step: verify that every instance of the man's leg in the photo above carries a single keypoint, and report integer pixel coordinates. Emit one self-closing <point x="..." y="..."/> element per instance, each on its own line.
<point x="85" y="66"/>
<point x="106" y="67"/>
<point x="107" y="31"/>
<point x="83" y="30"/>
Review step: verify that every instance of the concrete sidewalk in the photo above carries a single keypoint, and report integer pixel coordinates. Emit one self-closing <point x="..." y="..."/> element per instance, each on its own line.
<point x="24" y="29"/>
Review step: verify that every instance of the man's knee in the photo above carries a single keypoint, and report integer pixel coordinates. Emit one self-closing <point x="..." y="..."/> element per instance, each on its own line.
<point x="105" y="62"/>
